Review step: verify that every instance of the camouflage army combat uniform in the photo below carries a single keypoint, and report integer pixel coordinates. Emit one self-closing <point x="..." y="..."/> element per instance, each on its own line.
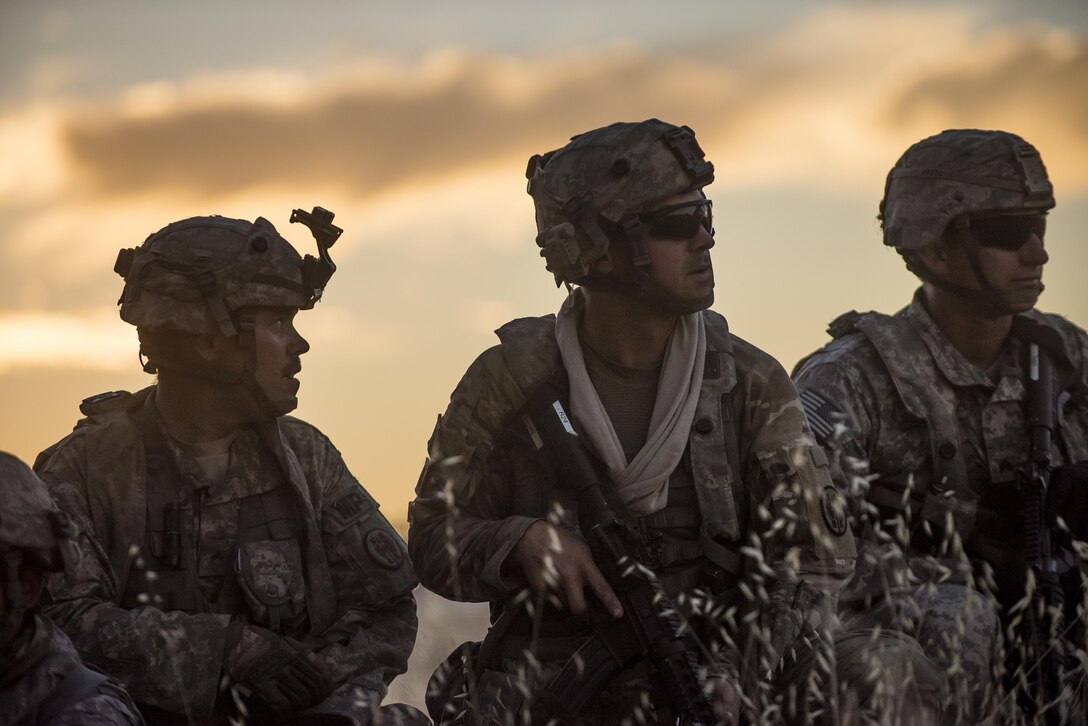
<point x="751" y="541"/>
<point x="923" y="439"/>
<point x="267" y="578"/>
<point x="46" y="684"/>
<point x="319" y="562"/>
<point x="936" y="438"/>
<point x="42" y="681"/>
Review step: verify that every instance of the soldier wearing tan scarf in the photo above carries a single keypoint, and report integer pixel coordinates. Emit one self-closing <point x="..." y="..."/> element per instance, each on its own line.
<point x="704" y="448"/>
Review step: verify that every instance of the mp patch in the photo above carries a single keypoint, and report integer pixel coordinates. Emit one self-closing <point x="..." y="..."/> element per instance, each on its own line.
<point x="384" y="549"/>
<point x="834" y="511"/>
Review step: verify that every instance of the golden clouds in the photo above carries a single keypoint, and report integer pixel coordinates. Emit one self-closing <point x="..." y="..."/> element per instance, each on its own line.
<point x="88" y="341"/>
<point x="1034" y="84"/>
<point x="422" y="161"/>
<point x="836" y="89"/>
<point x="364" y="136"/>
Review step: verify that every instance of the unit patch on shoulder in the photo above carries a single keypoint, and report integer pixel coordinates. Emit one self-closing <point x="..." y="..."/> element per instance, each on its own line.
<point x="834" y="511"/>
<point x="102" y="402"/>
<point x="347" y="509"/>
<point x="384" y="549"/>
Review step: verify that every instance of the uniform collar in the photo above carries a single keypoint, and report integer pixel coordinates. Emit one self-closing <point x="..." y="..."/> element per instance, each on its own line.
<point x="955" y="367"/>
<point x="952" y="364"/>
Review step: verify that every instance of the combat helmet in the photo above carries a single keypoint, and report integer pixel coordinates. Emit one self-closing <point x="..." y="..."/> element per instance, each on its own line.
<point x="956" y="173"/>
<point x="193" y="276"/>
<point x="588" y="191"/>
<point x="30" y="520"/>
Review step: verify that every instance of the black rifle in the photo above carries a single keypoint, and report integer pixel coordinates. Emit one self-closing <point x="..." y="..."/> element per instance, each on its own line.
<point x="650" y="628"/>
<point x="1043" y="616"/>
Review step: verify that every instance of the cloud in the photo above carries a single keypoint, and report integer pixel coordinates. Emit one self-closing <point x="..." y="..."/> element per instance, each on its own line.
<point x="827" y="90"/>
<point x="34" y="165"/>
<point x="1032" y="81"/>
<point x="454" y="113"/>
<point x="95" y="341"/>
<point x="426" y="157"/>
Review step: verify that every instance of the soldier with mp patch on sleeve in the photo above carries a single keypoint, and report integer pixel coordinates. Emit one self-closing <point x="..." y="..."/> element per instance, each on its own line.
<point x="235" y="568"/>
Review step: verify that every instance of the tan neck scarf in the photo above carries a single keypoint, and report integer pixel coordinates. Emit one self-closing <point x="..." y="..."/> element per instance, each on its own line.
<point x="643" y="483"/>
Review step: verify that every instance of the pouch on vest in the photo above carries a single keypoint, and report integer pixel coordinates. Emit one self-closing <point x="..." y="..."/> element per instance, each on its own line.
<point x="939" y="507"/>
<point x="270" y="575"/>
<point x="448" y="689"/>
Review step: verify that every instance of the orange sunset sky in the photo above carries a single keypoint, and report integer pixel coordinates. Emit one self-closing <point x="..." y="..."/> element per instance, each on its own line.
<point x="414" y="121"/>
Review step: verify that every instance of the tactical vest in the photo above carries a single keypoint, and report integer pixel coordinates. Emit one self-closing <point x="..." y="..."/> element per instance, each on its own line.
<point x="694" y="540"/>
<point x="912" y="369"/>
<point x="52" y="681"/>
<point x="532" y="355"/>
<point x="258" y="571"/>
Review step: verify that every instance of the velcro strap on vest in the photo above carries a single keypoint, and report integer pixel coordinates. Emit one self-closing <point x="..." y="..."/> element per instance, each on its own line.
<point x="888" y="498"/>
<point x="669" y="518"/>
<point x="671" y="553"/>
<point x="722" y="556"/>
<point x="681" y="580"/>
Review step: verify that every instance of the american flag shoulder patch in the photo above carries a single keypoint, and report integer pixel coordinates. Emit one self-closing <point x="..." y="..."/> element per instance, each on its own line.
<point x="820" y="413"/>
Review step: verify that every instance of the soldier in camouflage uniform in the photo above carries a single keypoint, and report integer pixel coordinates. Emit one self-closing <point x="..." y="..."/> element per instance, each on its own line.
<point x="703" y="441"/>
<point x="923" y="412"/>
<point x="234" y="565"/>
<point x="42" y="681"/>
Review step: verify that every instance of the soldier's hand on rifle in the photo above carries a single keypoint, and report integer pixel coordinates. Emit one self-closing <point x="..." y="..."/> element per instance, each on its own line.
<point x="1067" y="497"/>
<point x="558" y="561"/>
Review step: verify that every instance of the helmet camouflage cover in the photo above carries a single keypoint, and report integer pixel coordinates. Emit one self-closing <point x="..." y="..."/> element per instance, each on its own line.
<point x="29" y="519"/>
<point x="611" y="173"/>
<point x="192" y="276"/>
<point x="957" y="172"/>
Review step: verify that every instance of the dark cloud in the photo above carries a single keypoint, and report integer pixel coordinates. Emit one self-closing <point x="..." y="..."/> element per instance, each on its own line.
<point x="365" y="140"/>
<point x="1048" y="88"/>
<point x="368" y="140"/>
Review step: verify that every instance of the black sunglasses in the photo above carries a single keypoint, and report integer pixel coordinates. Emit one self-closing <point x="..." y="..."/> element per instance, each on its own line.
<point x="680" y="221"/>
<point x="1007" y="231"/>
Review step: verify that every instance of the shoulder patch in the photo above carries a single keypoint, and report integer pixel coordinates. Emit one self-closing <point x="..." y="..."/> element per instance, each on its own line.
<point x="103" y="402"/>
<point x="843" y="325"/>
<point x="384" y="549"/>
<point x="834" y="511"/>
<point x="347" y="508"/>
<point x="819" y="412"/>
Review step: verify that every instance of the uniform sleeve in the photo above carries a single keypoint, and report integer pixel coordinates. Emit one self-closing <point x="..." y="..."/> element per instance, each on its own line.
<point x="801" y="543"/>
<point x="461" y="526"/>
<point x="796" y="508"/>
<point x="108" y="706"/>
<point x="842" y="408"/>
<point x="374" y="630"/>
<point x="170" y="660"/>
<point x="1073" y="400"/>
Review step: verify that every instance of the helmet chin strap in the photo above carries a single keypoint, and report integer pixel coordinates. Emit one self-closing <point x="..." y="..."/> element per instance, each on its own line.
<point x="246" y="377"/>
<point x="986" y="300"/>
<point x="637" y="282"/>
<point x="248" y="344"/>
